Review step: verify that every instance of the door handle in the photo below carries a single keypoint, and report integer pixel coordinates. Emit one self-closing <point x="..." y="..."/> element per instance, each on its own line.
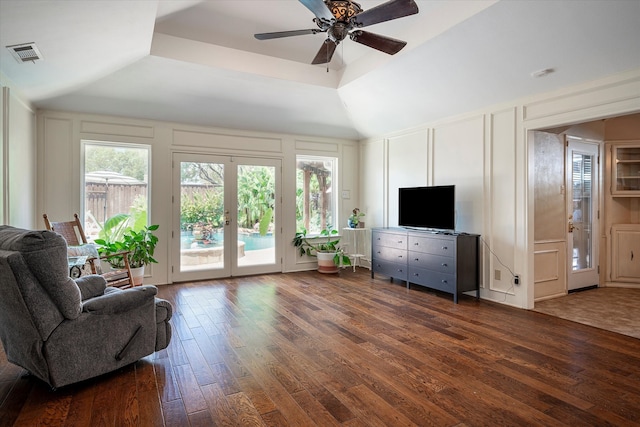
<point x="227" y="218"/>
<point x="571" y="227"/>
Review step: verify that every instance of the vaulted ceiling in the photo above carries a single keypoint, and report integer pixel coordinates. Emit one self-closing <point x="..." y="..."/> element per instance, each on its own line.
<point x="197" y="62"/>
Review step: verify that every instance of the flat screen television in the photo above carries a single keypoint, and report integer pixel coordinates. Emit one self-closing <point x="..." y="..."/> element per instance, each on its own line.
<point x="427" y="207"/>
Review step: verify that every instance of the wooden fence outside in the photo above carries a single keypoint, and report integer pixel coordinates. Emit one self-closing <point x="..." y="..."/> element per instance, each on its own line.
<point x="103" y="201"/>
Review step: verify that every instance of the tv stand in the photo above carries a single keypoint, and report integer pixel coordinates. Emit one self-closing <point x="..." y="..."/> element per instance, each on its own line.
<point x="446" y="262"/>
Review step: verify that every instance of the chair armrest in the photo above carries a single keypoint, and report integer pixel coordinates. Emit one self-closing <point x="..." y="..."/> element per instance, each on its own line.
<point x="91" y="286"/>
<point x="120" y="301"/>
<point x="115" y="254"/>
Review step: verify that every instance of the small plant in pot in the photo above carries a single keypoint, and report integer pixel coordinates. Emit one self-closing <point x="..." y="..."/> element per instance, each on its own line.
<point x="324" y="247"/>
<point x="354" y="218"/>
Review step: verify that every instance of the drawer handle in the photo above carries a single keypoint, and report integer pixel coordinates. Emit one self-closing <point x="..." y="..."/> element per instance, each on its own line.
<point x="444" y="281"/>
<point x="416" y="274"/>
<point x="444" y="264"/>
<point x="399" y="241"/>
<point x="417" y="259"/>
<point x="399" y="256"/>
<point x="444" y="248"/>
<point x="416" y="244"/>
<point x="631" y="255"/>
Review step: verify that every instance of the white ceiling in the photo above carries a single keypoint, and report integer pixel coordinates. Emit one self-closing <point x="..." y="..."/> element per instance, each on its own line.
<point x="197" y="61"/>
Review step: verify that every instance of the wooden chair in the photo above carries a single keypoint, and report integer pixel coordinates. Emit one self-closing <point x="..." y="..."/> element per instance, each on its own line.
<point x="73" y="233"/>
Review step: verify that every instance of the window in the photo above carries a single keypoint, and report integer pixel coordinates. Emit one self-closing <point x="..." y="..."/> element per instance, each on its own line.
<point x="116" y="185"/>
<point x="315" y="193"/>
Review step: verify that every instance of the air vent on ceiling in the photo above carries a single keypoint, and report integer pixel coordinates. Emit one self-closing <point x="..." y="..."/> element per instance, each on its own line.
<point x="26" y="52"/>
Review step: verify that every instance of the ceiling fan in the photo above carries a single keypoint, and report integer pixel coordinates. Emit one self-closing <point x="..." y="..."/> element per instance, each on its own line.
<point x="342" y="18"/>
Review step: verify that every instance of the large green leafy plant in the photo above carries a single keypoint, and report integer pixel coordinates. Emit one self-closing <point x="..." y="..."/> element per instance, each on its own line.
<point x="326" y="242"/>
<point x="140" y="246"/>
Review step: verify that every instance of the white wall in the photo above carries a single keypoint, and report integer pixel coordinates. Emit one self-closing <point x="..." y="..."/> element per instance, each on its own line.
<point x="487" y="156"/>
<point x="59" y="193"/>
<point x="18" y="159"/>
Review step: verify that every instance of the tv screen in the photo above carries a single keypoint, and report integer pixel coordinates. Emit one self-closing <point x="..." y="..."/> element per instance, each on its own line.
<point x="427" y="207"/>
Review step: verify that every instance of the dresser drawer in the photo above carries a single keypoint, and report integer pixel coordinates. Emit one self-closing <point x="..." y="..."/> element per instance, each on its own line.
<point x="389" y="240"/>
<point x="440" y="281"/>
<point x="391" y="269"/>
<point x="432" y="245"/>
<point x="439" y="263"/>
<point x="389" y="254"/>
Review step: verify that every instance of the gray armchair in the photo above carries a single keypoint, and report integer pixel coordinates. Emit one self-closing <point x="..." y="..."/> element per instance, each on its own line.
<point x="64" y="331"/>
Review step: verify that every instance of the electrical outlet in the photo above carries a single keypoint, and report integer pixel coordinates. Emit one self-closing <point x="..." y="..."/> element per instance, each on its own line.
<point x="516" y="279"/>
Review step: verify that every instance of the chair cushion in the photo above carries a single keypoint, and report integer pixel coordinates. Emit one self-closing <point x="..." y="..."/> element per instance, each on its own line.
<point x="88" y="250"/>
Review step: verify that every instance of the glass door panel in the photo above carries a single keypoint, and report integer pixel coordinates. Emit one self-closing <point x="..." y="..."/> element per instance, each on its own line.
<point x="257" y="216"/>
<point x="582" y="198"/>
<point x="202" y="217"/>
<point x="256" y="193"/>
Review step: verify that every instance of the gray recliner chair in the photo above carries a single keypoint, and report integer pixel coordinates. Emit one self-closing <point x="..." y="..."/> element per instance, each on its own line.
<point x="63" y="330"/>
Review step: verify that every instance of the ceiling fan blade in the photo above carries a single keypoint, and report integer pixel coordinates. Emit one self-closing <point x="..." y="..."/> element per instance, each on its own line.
<point x="392" y="9"/>
<point x="280" y="34"/>
<point x="325" y="53"/>
<point x="382" y="43"/>
<point x="319" y="9"/>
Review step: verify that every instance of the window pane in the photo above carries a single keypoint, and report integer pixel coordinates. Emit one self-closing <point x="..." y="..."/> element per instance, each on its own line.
<point x="315" y="198"/>
<point x="115" y="182"/>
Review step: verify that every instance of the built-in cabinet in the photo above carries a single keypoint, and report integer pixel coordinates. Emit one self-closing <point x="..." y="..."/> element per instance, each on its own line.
<point x="625" y="249"/>
<point x="623" y="211"/>
<point x="446" y="262"/>
<point x="626" y="170"/>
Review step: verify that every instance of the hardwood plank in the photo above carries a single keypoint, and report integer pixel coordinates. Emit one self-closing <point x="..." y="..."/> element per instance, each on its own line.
<point x="150" y="407"/>
<point x="175" y="413"/>
<point x="221" y="411"/>
<point x="248" y="415"/>
<point x="189" y="389"/>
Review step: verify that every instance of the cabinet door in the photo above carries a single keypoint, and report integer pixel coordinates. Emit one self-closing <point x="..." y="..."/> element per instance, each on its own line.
<point x="626" y="170"/>
<point x="626" y="254"/>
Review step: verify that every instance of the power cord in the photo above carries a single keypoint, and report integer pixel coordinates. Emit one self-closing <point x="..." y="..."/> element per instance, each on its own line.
<point x="515" y="277"/>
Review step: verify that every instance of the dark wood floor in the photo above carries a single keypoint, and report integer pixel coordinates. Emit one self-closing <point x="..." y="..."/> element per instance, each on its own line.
<point x="307" y="349"/>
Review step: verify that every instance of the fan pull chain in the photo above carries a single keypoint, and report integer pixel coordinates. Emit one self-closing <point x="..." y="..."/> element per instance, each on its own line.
<point x="327" y="45"/>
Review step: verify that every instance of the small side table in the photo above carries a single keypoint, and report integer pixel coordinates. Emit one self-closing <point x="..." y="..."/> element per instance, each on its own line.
<point x="76" y="264"/>
<point x="356" y="256"/>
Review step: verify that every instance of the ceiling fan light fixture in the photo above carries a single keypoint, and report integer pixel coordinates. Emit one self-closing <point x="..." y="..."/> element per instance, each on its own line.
<point x="343" y="10"/>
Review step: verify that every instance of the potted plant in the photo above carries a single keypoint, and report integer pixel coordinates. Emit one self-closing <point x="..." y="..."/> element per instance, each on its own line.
<point x="354" y="218"/>
<point x="139" y="245"/>
<point x="324" y="247"/>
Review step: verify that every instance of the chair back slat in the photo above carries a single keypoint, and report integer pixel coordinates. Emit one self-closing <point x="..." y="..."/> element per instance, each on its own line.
<point x="72" y="231"/>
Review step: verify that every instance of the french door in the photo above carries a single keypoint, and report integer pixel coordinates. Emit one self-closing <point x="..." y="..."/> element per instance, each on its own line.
<point x="582" y="209"/>
<point x="226" y="212"/>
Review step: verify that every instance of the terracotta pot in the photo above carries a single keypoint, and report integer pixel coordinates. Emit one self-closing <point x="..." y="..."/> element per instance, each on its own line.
<point x="325" y="262"/>
<point x="137" y="274"/>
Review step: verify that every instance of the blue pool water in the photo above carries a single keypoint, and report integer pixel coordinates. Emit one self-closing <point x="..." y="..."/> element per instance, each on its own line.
<point x="252" y="242"/>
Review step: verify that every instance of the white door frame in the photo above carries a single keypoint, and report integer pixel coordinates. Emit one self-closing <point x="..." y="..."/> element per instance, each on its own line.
<point x="231" y="267"/>
<point x="586" y="276"/>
